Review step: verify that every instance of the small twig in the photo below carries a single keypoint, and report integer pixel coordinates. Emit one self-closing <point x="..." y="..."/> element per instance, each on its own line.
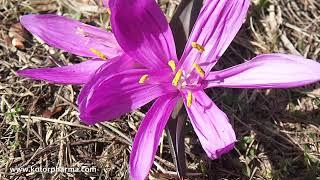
<point x="35" y="118"/>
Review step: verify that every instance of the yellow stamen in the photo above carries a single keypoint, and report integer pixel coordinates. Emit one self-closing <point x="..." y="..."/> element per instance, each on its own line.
<point x="198" y="69"/>
<point x="172" y="65"/>
<point x="197" y="46"/>
<point x="189" y="99"/>
<point x="177" y="78"/>
<point x="143" y="78"/>
<point x="109" y="11"/>
<point x="98" y="53"/>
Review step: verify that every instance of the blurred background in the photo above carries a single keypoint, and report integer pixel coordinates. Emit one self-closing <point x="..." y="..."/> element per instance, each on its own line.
<point x="278" y="131"/>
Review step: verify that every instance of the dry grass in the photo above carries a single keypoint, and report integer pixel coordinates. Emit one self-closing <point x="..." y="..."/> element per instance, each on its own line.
<point x="278" y="130"/>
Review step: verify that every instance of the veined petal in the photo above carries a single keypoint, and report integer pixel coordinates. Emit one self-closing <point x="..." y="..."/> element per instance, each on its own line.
<point x="110" y="94"/>
<point x="147" y="139"/>
<point x="211" y="125"/>
<point x="217" y="25"/>
<point x="71" y="35"/>
<point x="143" y="32"/>
<point x="268" y="71"/>
<point x="72" y="74"/>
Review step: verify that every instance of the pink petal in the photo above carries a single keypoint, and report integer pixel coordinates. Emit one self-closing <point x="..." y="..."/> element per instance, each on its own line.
<point x="268" y="71"/>
<point x="211" y="125"/>
<point x="110" y="94"/>
<point x="71" y="35"/>
<point x="147" y="139"/>
<point x="105" y="3"/>
<point x="217" y="25"/>
<point x="72" y="74"/>
<point x="143" y="32"/>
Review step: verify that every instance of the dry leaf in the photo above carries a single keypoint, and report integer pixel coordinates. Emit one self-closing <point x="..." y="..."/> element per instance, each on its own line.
<point x="49" y="114"/>
<point x="6" y="39"/>
<point x="18" y="35"/>
<point x="44" y="6"/>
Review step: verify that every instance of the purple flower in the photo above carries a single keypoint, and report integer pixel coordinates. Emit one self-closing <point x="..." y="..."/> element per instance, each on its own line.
<point x="144" y="36"/>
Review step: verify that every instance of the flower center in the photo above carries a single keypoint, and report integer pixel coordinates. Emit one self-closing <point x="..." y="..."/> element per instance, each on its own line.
<point x="180" y="80"/>
<point x="184" y="81"/>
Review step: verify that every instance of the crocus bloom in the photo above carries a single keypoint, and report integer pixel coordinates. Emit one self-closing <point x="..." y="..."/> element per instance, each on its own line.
<point x="145" y="36"/>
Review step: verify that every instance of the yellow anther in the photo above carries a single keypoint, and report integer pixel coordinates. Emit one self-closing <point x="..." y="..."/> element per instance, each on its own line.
<point x="199" y="70"/>
<point x="109" y="11"/>
<point x="197" y="46"/>
<point x="177" y="78"/>
<point x="143" y="78"/>
<point x="189" y="99"/>
<point x="98" y="53"/>
<point x="172" y="65"/>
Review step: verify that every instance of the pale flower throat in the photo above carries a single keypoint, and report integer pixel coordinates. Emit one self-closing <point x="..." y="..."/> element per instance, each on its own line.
<point x="179" y="79"/>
